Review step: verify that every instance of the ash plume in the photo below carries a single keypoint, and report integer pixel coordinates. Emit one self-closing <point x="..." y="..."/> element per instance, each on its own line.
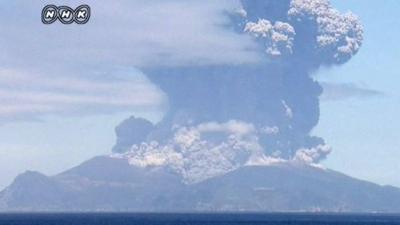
<point x="225" y="116"/>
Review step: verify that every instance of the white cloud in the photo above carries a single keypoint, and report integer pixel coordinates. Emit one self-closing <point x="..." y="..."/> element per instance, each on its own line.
<point x="28" y="94"/>
<point x="134" y="33"/>
<point x="58" y="69"/>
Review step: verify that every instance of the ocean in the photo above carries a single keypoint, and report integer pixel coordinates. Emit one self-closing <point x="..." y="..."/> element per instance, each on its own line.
<point x="196" y="219"/>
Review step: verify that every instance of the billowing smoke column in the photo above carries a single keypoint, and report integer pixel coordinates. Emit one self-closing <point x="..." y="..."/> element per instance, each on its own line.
<point x="224" y="117"/>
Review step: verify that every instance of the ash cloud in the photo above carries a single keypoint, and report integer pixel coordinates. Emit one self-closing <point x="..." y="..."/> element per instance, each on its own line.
<point x="278" y="36"/>
<point x="274" y="103"/>
<point x="201" y="151"/>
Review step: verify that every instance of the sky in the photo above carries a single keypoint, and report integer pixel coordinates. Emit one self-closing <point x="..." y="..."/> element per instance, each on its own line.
<point x="364" y="131"/>
<point x="51" y="121"/>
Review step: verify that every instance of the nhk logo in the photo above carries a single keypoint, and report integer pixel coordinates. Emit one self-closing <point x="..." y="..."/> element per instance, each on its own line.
<point x="65" y="14"/>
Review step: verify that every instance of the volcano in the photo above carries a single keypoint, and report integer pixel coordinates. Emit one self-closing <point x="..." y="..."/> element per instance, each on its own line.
<point x="106" y="183"/>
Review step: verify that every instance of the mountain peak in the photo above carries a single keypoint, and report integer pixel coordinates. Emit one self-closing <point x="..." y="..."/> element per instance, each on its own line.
<point x="112" y="184"/>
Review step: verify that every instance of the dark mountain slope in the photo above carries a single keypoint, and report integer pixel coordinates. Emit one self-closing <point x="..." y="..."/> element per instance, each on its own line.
<point x="111" y="184"/>
<point x="290" y="187"/>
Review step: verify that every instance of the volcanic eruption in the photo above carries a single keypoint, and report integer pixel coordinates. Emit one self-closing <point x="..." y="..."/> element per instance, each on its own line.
<point x="226" y="116"/>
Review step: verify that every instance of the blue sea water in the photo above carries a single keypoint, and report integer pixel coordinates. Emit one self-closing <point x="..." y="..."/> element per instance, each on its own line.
<point x="196" y="219"/>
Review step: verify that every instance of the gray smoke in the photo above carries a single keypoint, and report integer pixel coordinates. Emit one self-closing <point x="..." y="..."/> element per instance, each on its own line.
<point x="253" y="113"/>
